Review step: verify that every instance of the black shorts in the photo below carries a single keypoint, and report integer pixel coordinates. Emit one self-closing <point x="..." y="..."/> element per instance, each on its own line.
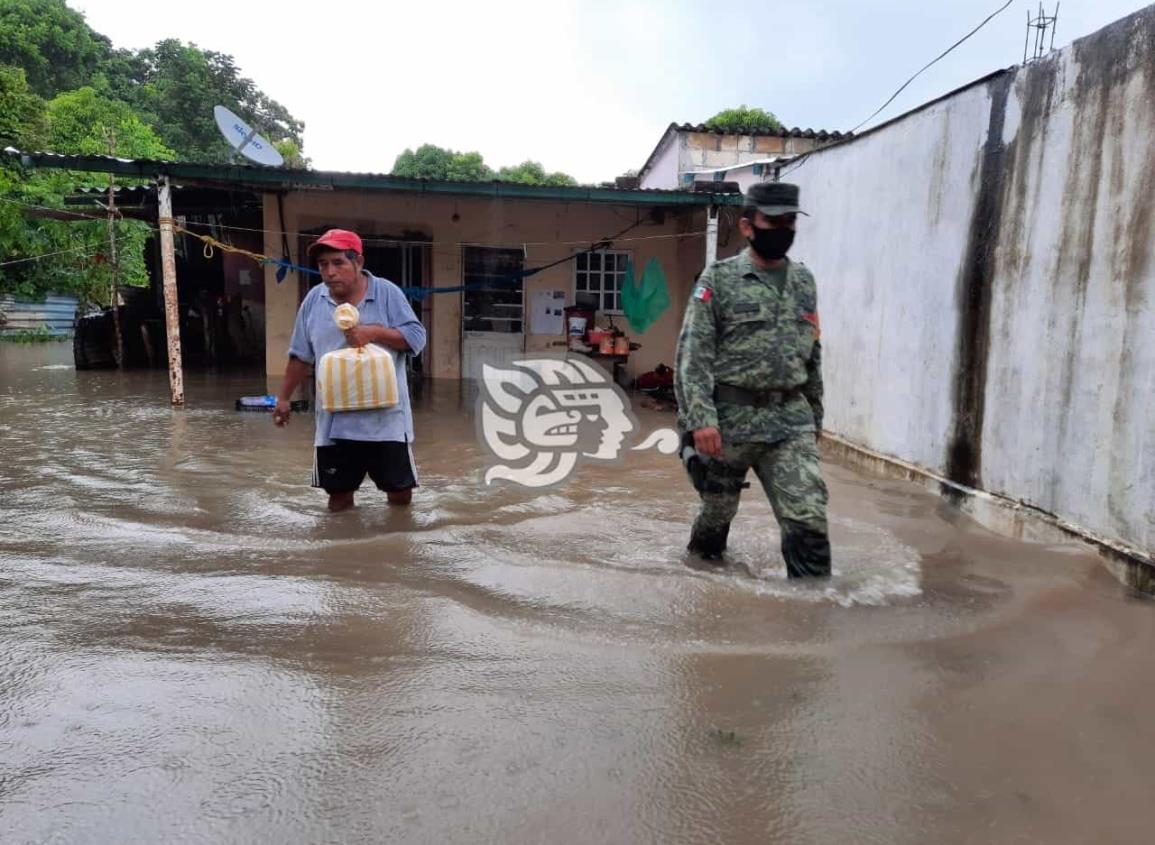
<point x="342" y="467"/>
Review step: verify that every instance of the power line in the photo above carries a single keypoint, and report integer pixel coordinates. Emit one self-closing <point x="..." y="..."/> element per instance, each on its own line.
<point x="370" y="239"/>
<point x="87" y="247"/>
<point x="802" y="159"/>
<point x="934" y="61"/>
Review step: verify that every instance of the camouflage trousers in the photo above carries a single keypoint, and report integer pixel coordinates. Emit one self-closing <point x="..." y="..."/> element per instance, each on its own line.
<point x="790" y="474"/>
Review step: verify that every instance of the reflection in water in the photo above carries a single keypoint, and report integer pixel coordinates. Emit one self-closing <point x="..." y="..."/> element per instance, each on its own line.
<point x="194" y="649"/>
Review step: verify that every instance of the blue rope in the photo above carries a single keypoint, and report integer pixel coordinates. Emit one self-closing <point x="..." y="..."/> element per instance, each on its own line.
<point x="414" y="293"/>
<point x="420" y="293"/>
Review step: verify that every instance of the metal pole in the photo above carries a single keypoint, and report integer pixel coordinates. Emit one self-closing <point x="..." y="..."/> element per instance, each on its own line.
<point x="1027" y="36"/>
<point x="711" y="235"/>
<point x="171" y="308"/>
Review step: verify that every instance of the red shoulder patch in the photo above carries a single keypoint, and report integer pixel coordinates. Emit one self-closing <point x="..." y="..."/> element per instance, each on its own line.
<point x="812" y="318"/>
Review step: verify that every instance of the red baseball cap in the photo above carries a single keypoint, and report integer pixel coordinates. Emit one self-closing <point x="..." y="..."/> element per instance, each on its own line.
<point x="339" y="239"/>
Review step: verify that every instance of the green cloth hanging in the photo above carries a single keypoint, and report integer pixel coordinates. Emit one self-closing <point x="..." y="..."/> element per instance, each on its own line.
<point x="644" y="302"/>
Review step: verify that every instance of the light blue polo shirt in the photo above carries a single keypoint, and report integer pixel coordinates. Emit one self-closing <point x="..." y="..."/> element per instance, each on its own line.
<point x="315" y="333"/>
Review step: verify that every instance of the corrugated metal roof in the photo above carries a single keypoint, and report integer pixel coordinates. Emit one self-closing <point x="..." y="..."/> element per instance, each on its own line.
<point x="270" y="178"/>
<point x="820" y="135"/>
<point x="817" y="134"/>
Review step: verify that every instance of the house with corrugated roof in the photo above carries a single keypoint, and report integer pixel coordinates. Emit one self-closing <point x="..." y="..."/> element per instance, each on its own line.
<point x="687" y="154"/>
<point x="488" y="265"/>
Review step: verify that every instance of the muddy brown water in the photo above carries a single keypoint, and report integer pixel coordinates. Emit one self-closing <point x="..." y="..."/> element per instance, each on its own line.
<point x="193" y="650"/>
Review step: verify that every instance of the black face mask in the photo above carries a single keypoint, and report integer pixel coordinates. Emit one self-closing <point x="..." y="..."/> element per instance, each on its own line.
<point x="771" y="244"/>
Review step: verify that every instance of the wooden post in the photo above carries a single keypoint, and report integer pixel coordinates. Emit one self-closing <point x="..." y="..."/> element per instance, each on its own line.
<point x="171" y="308"/>
<point x="113" y="264"/>
<point x="711" y="234"/>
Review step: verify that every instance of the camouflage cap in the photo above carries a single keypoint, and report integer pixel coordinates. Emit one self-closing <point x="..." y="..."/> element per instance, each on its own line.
<point x="774" y="198"/>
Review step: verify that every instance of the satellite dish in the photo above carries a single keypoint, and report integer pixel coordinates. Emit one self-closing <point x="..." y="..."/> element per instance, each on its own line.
<point x="245" y="140"/>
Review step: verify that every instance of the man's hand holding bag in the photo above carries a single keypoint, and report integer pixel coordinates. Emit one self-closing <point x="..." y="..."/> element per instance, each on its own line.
<point x="356" y="378"/>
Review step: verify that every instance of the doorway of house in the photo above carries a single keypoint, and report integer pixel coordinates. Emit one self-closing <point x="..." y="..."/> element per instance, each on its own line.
<point x="493" y="308"/>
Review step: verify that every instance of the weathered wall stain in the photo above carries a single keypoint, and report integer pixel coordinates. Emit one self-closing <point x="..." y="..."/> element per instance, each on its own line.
<point x="1023" y="254"/>
<point x="1135" y="233"/>
<point x="1035" y="87"/>
<point x="964" y="451"/>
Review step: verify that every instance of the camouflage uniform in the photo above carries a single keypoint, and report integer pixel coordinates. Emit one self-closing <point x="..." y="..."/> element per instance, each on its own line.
<point x="757" y="330"/>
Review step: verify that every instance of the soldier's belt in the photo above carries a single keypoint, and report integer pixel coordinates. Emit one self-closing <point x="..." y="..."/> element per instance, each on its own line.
<point x="732" y="395"/>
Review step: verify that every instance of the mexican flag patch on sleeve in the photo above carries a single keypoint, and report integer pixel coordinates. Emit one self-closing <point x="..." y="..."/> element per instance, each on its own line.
<point x="703" y="293"/>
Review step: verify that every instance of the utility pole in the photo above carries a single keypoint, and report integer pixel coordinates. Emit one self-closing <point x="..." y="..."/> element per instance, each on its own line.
<point x="171" y="308"/>
<point x="711" y="234"/>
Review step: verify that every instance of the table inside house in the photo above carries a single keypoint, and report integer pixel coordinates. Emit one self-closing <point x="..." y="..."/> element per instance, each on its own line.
<point x="617" y="360"/>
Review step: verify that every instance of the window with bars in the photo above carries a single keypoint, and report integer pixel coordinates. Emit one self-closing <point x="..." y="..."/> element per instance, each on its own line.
<point x="601" y="273"/>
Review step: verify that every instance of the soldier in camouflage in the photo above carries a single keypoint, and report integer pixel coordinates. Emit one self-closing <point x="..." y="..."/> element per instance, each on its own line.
<point x="748" y="381"/>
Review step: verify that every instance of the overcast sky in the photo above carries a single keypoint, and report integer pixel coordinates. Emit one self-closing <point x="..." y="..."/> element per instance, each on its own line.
<point x="586" y="86"/>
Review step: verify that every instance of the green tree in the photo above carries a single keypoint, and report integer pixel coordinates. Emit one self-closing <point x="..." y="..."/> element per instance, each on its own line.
<point x="82" y="122"/>
<point x="52" y="43"/>
<point x="532" y="173"/>
<point x="292" y="154"/>
<point x="173" y="85"/>
<point x="21" y="111"/>
<point x="22" y="124"/>
<point x="76" y="251"/>
<point x="432" y="162"/>
<point x="744" y="121"/>
<point x="154" y="104"/>
<point x="180" y="83"/>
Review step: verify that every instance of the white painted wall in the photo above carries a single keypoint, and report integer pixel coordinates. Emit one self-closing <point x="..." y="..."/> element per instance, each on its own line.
<point x="1069" y="415"/>
<point x="888" y="226"/>
<point x="1070" y="419"/>
<point x="663" y="174"/>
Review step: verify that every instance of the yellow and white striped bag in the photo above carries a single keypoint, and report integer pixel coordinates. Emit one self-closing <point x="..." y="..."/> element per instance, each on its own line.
<point x="356" y="379"/>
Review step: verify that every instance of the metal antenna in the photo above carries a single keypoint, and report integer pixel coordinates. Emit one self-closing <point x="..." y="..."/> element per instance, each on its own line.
<point x="1040" y="24"/>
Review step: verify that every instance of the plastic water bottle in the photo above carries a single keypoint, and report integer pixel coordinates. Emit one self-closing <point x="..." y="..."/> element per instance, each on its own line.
<point x="268" y="402"/>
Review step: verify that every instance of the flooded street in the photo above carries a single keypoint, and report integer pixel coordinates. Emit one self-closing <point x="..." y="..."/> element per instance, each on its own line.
<point x="194" y="650"/>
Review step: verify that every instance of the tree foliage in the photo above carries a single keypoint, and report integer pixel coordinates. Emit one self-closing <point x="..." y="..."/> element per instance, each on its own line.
<point x="57" y="50"/>
<point x="177" y="86"/>
<point x="64" y="88"/>
<point x="432" y="162"/>
<point x="290" y="151"/>
<point x="81" y="122"/>
<point x="744" y="121"/>
<point x="84" y="123"/>
<point x="532" y="173"/>
<point x="21" y="111"/>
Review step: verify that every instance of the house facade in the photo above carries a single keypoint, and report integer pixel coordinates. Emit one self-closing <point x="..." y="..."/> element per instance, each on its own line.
<point x="488" y="266"/>
<point x="434" y="239"/>
<point x="688" y="154"/>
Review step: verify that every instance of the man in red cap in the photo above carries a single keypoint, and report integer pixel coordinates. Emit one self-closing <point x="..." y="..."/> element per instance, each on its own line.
<point x="351" y="444"/>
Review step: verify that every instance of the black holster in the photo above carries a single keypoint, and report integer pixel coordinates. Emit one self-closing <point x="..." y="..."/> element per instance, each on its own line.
<point x="732" y="395"/>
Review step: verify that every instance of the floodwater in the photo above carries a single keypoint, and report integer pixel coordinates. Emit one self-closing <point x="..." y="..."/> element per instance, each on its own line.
<point x="194" y="650"/>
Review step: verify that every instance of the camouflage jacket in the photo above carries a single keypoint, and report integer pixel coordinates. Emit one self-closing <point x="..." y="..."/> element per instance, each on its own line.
<point x="754" y="329"/>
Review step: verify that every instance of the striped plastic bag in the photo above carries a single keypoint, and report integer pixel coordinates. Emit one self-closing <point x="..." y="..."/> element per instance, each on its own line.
<point x="357" y="379"/>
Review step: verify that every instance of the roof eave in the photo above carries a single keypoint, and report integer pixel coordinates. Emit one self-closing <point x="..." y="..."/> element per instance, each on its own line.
<point x="276" y="179"/>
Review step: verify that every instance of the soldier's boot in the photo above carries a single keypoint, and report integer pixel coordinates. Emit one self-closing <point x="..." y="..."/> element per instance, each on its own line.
<point x="709" y="542"/>
<point x="807" y="551"/>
